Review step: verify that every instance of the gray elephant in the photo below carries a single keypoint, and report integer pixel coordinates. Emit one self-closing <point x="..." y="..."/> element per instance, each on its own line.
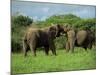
<point x="70" y="34"/>
<point x="85" y="39"/>
<point x="36" y="37"/>
<point x="79" y="38"/>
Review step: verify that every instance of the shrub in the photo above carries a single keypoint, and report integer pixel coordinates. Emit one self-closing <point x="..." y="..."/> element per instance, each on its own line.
<point x="18" y="26"/>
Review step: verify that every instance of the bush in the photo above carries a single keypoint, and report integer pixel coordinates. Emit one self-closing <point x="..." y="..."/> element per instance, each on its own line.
<point x="60" y="42"/>
<point x="18" y="26"/>
<point x="88" y="24"/>
<point x="69" y="18"/>
<point x="21" y="20"/>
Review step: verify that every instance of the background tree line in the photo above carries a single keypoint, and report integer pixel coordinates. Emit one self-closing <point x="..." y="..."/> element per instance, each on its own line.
<point x="20" y="23"/>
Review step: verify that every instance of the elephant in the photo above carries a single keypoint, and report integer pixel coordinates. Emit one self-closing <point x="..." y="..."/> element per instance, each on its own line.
<point x="41" y="37"/>
<point x="79" y="38"/>
<point x="70" y="34"/>
<point x="85" y="39"/>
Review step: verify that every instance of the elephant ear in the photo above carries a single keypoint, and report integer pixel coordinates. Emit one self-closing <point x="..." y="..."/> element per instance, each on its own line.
<point x="55" y="30"/>
<point x="60" y="30"/>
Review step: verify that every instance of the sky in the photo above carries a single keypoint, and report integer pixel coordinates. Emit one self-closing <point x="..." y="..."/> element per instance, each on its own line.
<point x="41" y="11"/>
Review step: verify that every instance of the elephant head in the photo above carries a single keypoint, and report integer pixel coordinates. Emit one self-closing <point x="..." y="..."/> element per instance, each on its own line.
<point x="70" y="35"/>
<point x="56" y="30"/>
<point x="67" y="28"/>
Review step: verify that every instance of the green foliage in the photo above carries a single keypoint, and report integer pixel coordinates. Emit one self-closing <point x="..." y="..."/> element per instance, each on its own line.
<point x="42" y="24"/>
<point x="80" y="60"/>
<point x="22" y="20"/>
<point x="73" y="21"/>
<point x="60" y="42"/>
<point x="18" y="26"/>
<point x="69" y="18"/>
<point x="88" y="24"/>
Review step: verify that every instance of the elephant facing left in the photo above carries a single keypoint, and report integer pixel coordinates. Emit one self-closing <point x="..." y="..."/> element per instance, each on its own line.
<point x="44" y="37"/>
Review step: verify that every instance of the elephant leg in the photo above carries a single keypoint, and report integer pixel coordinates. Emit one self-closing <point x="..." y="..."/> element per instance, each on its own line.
<point x="46" y="50"/>
<point x="33" y="48"/>
<point x="90" y="46"/>
<point x="52" y="47"/>
<point x="72" y="46"/>
<point x="85" y="48"/>
<point x="25" y="48"/>
<point x="67" y="47"/>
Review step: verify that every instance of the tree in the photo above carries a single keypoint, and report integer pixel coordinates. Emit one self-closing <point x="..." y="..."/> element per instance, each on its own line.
<point x="69" y="18"/>
<point x="18" y="25"/>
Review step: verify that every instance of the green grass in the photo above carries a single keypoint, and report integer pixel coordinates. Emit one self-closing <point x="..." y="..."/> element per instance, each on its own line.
<point x="79" y="60"/>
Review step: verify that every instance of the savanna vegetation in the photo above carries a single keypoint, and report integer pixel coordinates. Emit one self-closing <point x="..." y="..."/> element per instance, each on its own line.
<point x="63" y="61"/>
<point x="79" y="60"/>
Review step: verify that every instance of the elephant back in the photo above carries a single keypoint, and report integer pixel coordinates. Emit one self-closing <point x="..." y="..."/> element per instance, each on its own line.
<point x="81" y="36"/>
<point x="32" y="32"/>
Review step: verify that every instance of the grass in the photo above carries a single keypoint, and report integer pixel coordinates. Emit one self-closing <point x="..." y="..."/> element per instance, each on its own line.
<point x="79" y="60"/>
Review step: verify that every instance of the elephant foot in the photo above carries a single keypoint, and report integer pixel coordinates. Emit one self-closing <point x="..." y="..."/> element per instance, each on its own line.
<point x="55" y="53"/>
<point x="25" y="54"/>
